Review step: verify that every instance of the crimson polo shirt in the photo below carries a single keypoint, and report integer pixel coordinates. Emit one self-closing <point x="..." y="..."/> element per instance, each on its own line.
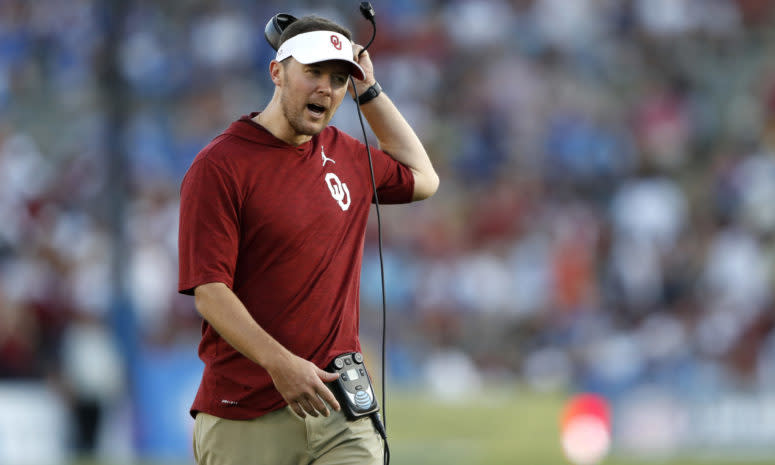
<point x="283" y="226"/>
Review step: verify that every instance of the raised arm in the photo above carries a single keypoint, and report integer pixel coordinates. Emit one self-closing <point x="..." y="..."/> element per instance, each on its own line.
<point x="394" y="134"/>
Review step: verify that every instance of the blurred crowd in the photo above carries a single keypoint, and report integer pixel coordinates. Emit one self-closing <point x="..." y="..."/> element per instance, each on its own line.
<point x="606" y="215"/>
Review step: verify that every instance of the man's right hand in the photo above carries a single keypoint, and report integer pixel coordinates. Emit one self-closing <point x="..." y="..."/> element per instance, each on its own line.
<point x="301" y="383"/>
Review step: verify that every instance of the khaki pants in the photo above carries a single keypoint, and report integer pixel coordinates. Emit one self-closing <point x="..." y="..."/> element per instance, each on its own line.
<point x="284" y="438"/>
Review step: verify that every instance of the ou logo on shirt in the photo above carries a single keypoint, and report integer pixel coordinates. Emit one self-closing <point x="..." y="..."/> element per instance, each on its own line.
<point x="339" y="191"/>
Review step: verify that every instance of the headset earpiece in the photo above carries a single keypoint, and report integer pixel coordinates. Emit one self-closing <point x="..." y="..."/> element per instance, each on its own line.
<point x="275" y="27"/>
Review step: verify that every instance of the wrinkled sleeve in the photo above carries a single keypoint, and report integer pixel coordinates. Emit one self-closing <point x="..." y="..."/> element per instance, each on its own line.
<point x="208" y="237"/>
<point x="395" y="182"/>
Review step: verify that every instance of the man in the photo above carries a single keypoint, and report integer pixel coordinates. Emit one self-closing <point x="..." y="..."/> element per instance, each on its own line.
<point x="272" y="222"/>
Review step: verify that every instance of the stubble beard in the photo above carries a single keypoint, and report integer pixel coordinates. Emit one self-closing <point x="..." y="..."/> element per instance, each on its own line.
<point x="296" y="120"/>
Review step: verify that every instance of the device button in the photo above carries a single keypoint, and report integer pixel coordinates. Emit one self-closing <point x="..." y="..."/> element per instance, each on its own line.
<point x="347" y="361"/>
<point x="338" y="363"/>
<point x="359" y="388"/>
<point x="358" y="357"/>
<point x="363" y="373"/>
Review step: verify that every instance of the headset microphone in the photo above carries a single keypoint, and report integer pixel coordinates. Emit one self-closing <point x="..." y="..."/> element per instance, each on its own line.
<point x="368" y="12"/>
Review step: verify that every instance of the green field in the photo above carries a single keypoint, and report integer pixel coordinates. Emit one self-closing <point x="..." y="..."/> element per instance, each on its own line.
<point x="500" y="427"/>
<point x="503" y="427"/>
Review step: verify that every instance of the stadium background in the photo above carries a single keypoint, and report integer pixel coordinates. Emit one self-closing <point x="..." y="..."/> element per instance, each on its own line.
<point x="605" y="222"/>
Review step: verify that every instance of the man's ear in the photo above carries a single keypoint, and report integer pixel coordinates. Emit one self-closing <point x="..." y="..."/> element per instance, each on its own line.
<point x="275" y="72"/>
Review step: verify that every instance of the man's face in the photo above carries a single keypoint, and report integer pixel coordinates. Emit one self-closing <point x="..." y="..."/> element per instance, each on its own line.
<point x="312" y="93"/>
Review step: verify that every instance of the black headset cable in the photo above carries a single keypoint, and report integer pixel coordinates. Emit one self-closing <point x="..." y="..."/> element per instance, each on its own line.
<point x="380" y="424"/>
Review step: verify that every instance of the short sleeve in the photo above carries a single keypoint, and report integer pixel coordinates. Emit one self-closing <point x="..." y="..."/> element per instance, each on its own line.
<point x="208" y="238"/>
<point x="395" y="182"/>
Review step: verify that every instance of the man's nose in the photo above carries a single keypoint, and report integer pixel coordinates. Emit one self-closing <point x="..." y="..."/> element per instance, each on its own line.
<point x="326" y="84"/>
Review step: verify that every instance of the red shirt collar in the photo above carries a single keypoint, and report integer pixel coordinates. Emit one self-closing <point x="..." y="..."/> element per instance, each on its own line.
<point x="247" y="128"/>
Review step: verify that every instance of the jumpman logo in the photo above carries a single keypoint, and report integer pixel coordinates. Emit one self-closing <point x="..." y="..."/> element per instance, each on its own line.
<point x="325" y="158"/>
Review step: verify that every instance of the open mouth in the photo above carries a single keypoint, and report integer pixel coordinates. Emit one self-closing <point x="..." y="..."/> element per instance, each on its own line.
<point x="316" y="109"/>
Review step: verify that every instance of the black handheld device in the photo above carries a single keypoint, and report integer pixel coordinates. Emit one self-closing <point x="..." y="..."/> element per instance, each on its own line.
<point x="353" y="388"/>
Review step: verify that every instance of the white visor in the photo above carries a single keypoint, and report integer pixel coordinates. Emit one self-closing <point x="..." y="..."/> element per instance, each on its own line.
<point x="317" y="46"/>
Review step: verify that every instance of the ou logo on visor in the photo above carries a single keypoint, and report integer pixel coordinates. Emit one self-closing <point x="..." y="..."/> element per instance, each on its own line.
<point x="339" y="191"/>
<point x="336" y="42"/>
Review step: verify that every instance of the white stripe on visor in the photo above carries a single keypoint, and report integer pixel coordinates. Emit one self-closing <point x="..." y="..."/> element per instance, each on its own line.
<point x="317" y="46"/>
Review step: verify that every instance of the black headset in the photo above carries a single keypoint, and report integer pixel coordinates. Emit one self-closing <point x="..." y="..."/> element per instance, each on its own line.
<point x="274" y="27"/>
